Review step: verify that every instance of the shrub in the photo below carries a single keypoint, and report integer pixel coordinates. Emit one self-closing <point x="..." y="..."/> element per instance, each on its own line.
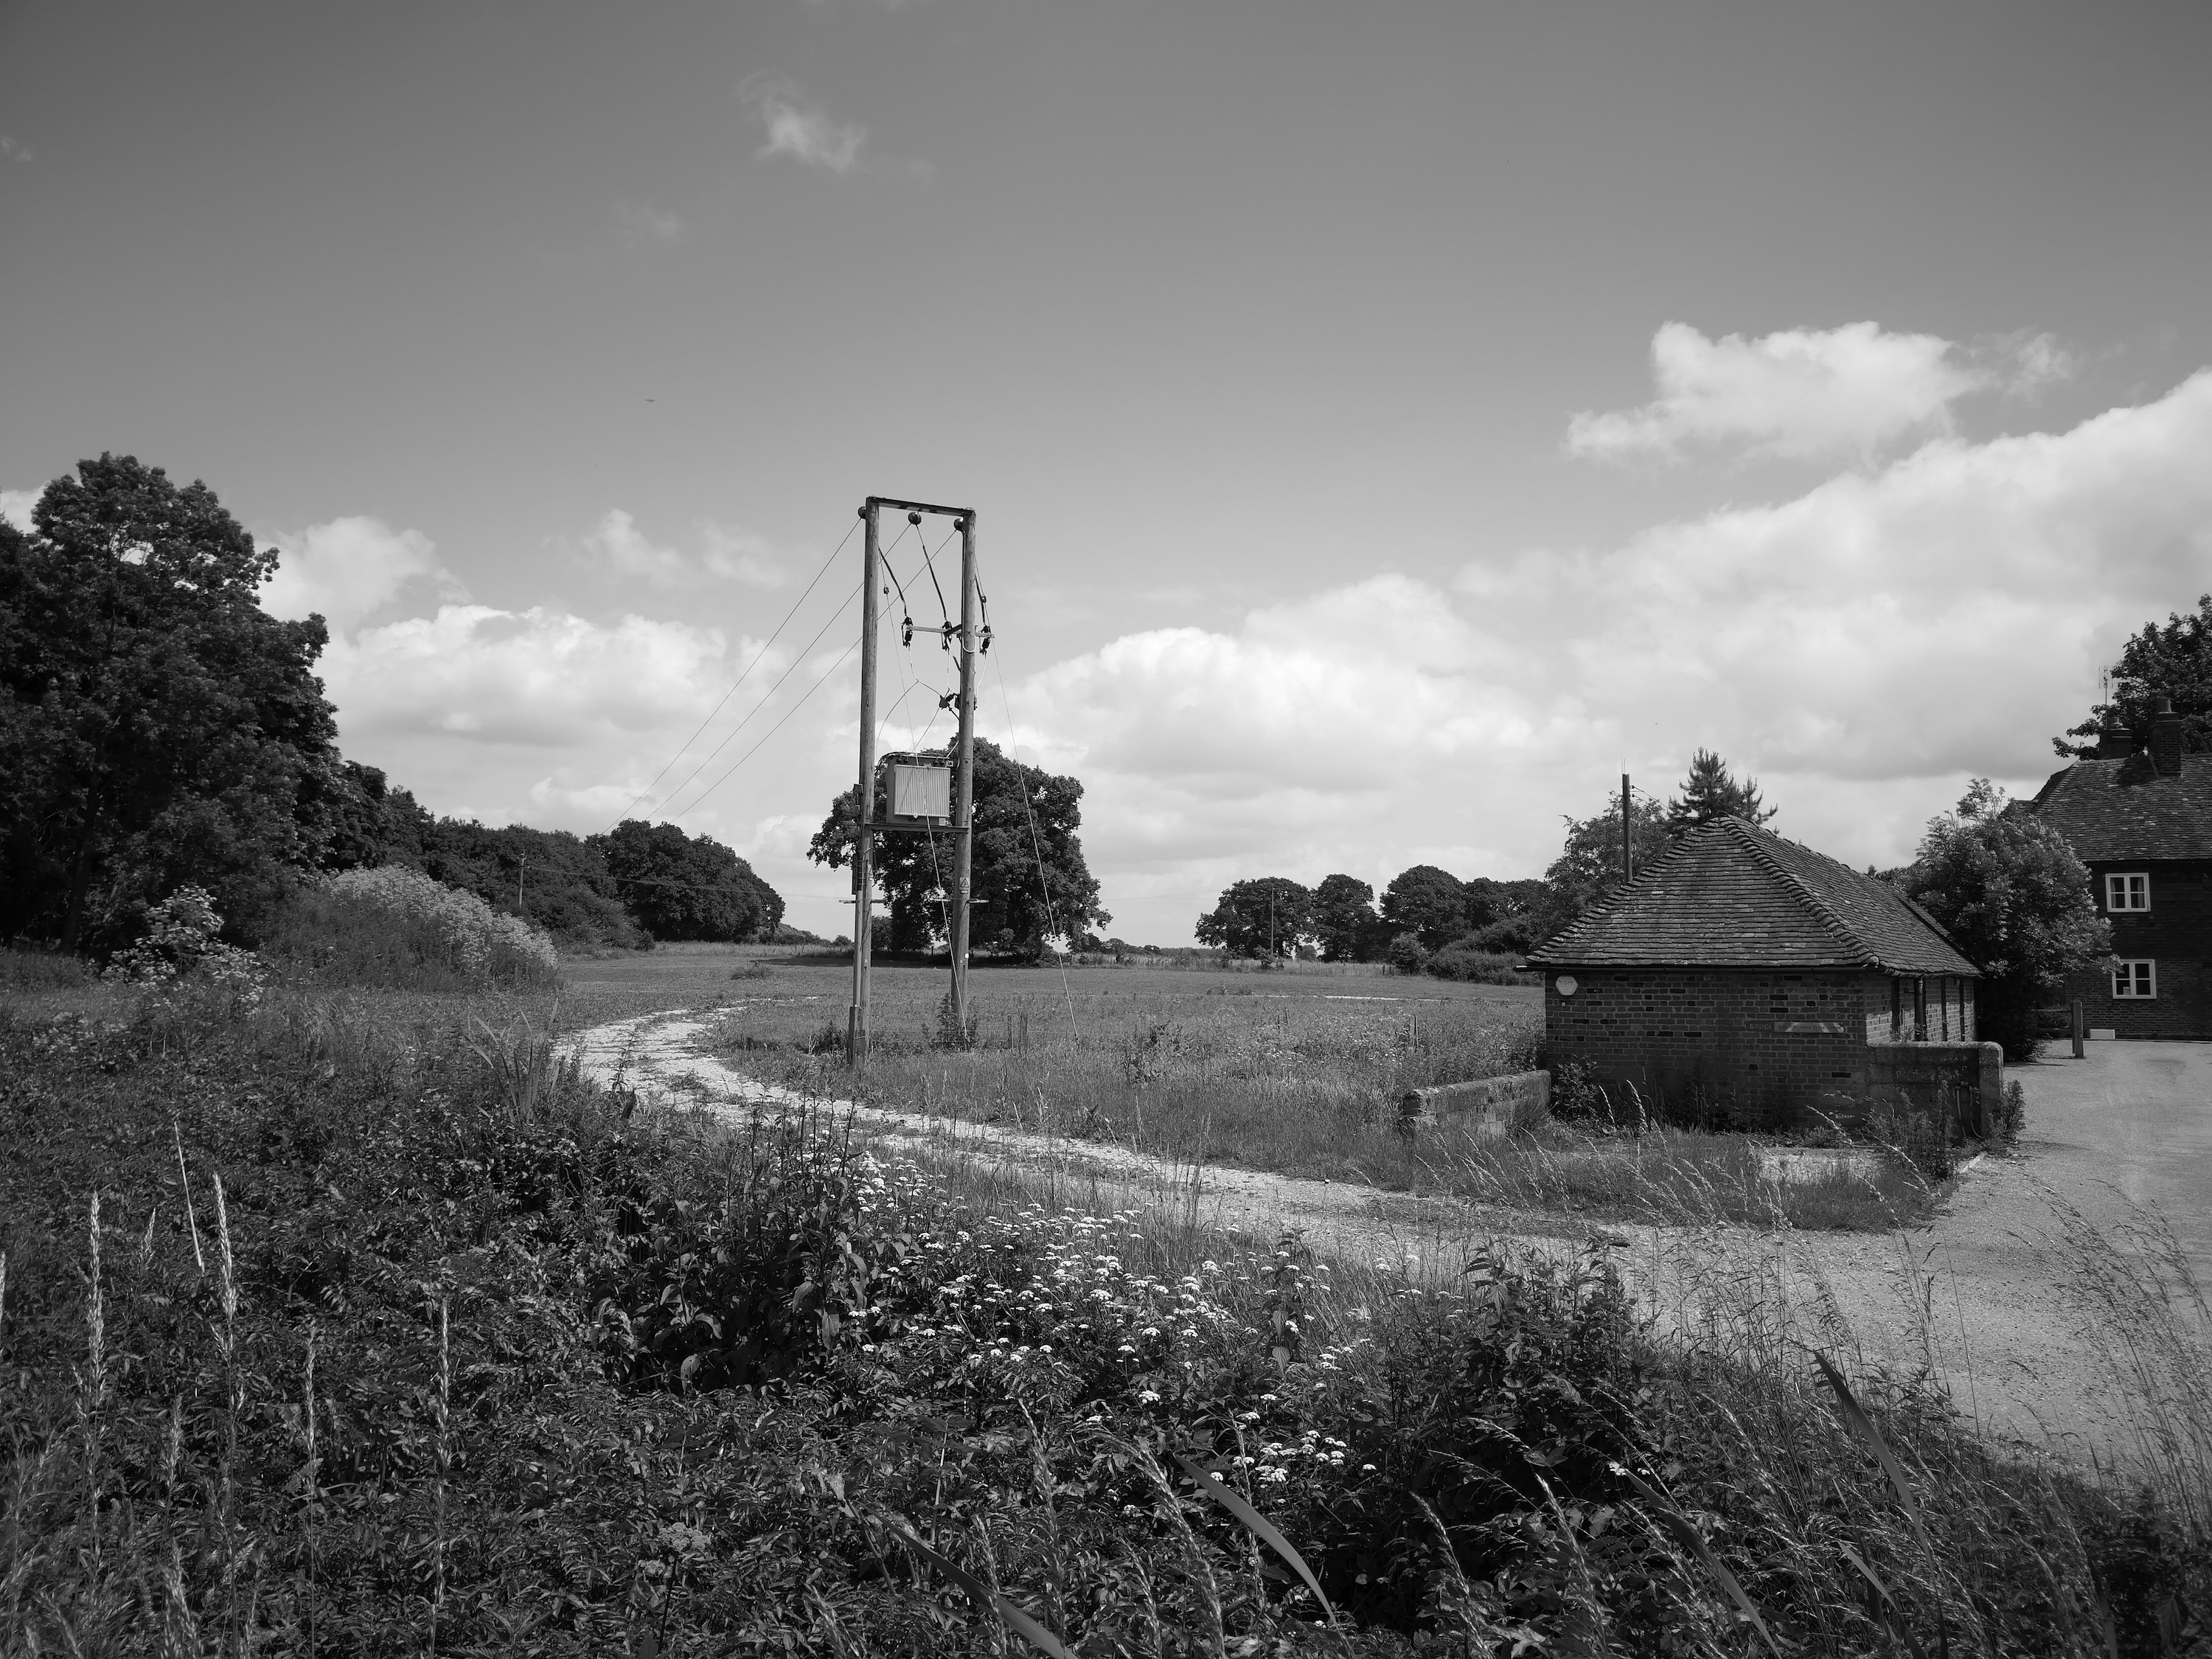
<point x="1407" y="954"/>
<point x="181" y="942"/>
<point x="1466" y="959"/>
<point x="396" y="926"/>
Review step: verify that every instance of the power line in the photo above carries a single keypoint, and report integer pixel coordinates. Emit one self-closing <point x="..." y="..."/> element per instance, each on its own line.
<point x="772" y="730"/>
<point x="737" y="682"/>
<point x="766" y="698"/>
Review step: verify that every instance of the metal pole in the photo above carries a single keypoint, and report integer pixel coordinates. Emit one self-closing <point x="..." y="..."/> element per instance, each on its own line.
<point x="2077" y="1025"/>
<point x="963" y="775"/>
<point x="856" y="1021"/>
<point x="1627" y="857"/>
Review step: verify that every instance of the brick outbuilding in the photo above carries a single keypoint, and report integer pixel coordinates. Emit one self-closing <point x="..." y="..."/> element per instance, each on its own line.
<point x="1748" y="981"/>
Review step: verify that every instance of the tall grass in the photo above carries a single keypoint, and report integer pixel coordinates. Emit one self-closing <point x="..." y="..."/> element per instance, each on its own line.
<point x="429" y="1386"/>
<point x="1307" y="1083"/>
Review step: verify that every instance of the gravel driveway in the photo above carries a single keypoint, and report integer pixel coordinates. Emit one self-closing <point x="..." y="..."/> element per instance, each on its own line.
<point x="1996" y="1296"/>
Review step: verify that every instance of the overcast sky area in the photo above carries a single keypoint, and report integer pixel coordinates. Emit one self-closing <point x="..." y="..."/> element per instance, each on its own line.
<point x="1385" y="422"/>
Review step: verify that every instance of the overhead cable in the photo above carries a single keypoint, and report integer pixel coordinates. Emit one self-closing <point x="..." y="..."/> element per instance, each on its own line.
<point x="735" y="683"/>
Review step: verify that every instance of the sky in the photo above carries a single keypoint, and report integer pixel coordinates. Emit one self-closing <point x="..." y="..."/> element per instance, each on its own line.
<point x="1385" y="424"/>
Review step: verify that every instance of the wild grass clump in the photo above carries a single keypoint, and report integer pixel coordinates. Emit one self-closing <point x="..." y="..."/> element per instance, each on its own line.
<point x="364" y="1329"/>
<point x="397" y="928"/>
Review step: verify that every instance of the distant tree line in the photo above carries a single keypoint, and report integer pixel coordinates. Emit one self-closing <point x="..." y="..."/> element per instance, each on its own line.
<point x="159" y="729"/>
<point x="1427" y="917"/>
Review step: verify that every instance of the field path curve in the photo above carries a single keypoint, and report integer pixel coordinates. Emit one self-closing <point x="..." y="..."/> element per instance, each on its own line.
<point x="1973" y="1299"/>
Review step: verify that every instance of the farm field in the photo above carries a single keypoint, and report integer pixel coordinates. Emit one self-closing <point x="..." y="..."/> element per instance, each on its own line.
<point x="1297" y="1071"/>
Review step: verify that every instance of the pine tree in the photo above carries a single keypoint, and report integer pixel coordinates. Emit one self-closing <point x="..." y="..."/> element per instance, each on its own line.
<point x="1710" y="792"/>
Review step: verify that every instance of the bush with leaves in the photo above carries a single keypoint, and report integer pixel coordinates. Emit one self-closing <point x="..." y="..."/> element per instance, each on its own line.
<point x="454" y="929"/>
<point x="2016" y="901"/>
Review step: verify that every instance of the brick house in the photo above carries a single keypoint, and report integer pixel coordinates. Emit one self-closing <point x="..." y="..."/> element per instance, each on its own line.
<point x="2141" y="818"/>
<point x="1744" y="979"/>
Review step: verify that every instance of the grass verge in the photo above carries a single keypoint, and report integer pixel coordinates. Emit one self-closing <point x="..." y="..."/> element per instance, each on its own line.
<point x="353" y="1325"/>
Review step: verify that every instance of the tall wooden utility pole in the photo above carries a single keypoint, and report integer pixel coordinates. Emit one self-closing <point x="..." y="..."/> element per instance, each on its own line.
<point x="1627" y="853"/>
<point x="964" y="796"/>
<point x="864" y="906"/>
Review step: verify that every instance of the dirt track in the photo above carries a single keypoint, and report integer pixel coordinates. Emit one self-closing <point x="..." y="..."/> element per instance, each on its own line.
<point x="1980" y="1297"/>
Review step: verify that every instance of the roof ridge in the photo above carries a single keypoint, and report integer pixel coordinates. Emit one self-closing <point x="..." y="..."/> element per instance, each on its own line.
<point x="1823" y="912"/>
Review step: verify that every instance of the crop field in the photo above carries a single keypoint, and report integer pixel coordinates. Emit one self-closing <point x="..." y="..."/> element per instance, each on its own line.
<point x="1296" y="1071"/>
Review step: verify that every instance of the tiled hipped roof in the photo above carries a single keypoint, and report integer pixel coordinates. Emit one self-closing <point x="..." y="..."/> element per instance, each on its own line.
<point x="1729" y="894"/>
<point x="2111" y="810"/>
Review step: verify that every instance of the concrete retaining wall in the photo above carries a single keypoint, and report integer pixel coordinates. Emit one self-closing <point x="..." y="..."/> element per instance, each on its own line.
<point x="1495" y="1106"/>
<point x="1967" y="1078"/>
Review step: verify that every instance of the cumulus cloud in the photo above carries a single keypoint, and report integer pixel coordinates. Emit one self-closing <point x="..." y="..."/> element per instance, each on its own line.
<point x="728" y="555"/>
<point x="1863" y="647"/>
<point x="351" y="568"/>
<point x="645" y="224"/>
<point x="1805" y="394"/>
<point x="15" y="506"/>
<point x="799" y="126"/>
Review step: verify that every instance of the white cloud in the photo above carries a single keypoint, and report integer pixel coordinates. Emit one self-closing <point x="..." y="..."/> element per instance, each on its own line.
<point x="729" y="555"/>
<point x="798" y="126"/>
<point x="15" y="506"/>
<point x="644" y="224"/>
<point x="350" y="568"/>
<point x="1863" y="648"/>
<point x="1805" y="394"/>
<point x="14" y="149"/>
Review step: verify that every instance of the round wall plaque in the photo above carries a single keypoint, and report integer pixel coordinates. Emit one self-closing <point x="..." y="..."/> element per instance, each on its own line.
<point x="1564" y="985"/>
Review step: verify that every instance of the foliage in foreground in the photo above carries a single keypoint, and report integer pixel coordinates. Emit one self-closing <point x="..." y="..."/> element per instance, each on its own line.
<point x="320" y="1335"/>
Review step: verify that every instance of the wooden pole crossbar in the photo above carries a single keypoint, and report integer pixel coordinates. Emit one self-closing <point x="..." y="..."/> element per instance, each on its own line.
<point x="964" y="795"/>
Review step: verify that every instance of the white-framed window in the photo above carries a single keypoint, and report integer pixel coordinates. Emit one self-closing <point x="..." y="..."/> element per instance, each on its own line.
<point x="2127" y="892"/>
<point x="2134" y="979"/>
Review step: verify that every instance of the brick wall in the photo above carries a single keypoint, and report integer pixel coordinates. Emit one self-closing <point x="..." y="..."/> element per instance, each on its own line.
<point x="1750" y="1048"/>
<point x="2175" y="932"/>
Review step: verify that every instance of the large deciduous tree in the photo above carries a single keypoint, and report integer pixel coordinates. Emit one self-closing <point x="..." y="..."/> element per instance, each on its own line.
<point x="683" y="887"/>
<point x="2017" y="903"/>
<point x="1028" y="879"/>
<point x="157" y="728"/>
<point x="1270" y="916"/>
<point x="2172" y="658"/>
<point x="1428" y="903"/>
<point x="1344" y="919"/>
<point x="1711" y="790"/>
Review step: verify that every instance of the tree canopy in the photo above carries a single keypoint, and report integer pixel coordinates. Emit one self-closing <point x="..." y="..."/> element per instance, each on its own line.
<point x="157" y="726"/>
<point x="2172" y="658"/>
<point x="1588" y="868"/>
<point x="1018" y="902"/>
<point x="1270" y="916"/>
<point x="1711" y="790"/>
<point x="1428" y="903"/>
<point x="2017" y="903"/>
<point x="680" y="886"/>
<point x="1344" y="919"/>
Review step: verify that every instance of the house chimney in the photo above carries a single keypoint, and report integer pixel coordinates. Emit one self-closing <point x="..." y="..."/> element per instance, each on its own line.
<point x="2114" y="742"/>
<point x="2165" y="739"/>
